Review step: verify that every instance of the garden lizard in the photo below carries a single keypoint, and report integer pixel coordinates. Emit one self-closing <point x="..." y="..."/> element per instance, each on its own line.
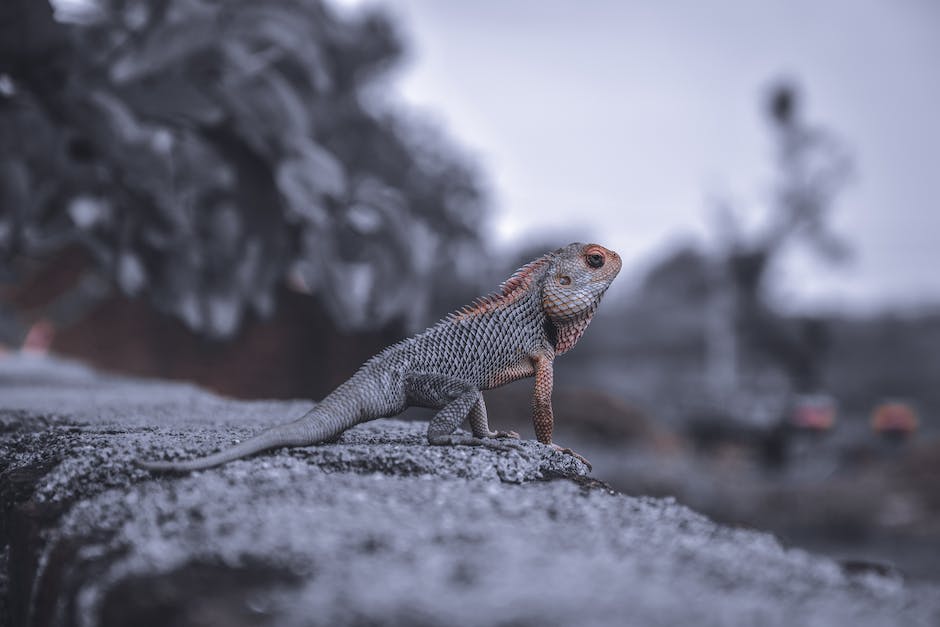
<point x="516" y="332"/>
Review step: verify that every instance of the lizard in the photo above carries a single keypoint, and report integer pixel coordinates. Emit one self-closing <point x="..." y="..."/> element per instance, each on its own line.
<point x="537" y="314"/>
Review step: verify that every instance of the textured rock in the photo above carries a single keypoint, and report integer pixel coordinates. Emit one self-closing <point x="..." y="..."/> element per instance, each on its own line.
<point x="377" y="528"/>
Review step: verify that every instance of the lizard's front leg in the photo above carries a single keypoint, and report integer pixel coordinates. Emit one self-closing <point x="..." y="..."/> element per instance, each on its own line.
<point x="542" y="417"/>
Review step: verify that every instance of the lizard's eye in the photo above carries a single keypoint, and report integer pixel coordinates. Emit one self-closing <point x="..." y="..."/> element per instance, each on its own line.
<point x="564" y="280"/>
<point x="595" y="260"/>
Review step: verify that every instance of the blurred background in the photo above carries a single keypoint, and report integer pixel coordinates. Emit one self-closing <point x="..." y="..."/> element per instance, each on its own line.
<point x="257" y="197"/>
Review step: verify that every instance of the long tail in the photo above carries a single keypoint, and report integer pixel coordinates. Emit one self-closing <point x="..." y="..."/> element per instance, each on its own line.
<point x="337" y="413"/>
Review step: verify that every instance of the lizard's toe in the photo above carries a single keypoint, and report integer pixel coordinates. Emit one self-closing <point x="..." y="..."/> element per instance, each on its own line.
<point x="577" y="456"/>
<point x="506" y="434"/>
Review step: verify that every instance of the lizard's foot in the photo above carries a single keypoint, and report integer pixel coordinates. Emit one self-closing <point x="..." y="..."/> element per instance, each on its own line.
<point x="577" y="456"/>
<point x="503" y="435"/>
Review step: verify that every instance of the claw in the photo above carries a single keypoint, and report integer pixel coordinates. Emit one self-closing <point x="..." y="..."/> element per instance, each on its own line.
<point x="507" y="434"/>
<point x="577" y="456"/>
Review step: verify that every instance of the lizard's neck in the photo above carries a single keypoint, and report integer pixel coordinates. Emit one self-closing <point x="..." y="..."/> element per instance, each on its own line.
<point x="568" y="332"/>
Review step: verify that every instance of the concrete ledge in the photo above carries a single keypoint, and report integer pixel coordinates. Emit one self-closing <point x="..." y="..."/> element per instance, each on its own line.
<point x="377" y="528"/>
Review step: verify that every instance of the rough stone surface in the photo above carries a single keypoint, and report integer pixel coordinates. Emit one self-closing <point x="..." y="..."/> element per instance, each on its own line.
<point x="377" y="528"/>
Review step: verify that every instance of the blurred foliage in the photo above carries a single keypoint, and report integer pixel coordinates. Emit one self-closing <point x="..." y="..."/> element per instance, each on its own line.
<point x="207" y="151"/>
<point x="813" y="166"/>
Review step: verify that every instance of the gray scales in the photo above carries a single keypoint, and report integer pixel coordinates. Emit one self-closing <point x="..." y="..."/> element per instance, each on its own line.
<point x="540" y="312"/>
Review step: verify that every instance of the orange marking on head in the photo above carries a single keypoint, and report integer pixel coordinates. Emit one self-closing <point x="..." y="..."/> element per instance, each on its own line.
<point x="596" y="248"/>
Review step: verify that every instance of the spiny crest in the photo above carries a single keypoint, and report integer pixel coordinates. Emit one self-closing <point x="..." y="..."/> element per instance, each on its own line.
<point x="510" y="291"/>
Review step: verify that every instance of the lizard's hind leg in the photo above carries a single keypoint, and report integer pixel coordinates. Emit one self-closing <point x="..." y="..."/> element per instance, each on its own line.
<point x="480" y="425"/>
<point x="442" y="429"/>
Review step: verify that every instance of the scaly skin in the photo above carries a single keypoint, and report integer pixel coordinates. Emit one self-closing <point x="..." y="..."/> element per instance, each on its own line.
<point x="539" y="313"/>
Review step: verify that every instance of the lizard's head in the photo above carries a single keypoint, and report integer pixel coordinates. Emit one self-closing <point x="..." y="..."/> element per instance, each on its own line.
<point x="574" y="284"/>
<point x="577" y="278"/>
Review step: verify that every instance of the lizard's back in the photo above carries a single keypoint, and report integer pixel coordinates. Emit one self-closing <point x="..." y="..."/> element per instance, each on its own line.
<point x="484" y="348"/>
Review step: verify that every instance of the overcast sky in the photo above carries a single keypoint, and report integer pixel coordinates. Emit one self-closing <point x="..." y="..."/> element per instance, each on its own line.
<point x="617" y="121"/>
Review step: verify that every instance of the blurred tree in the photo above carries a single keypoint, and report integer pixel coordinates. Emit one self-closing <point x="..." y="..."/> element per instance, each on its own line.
<point x="813" y="166"/>
<point x="205" y="152"/>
